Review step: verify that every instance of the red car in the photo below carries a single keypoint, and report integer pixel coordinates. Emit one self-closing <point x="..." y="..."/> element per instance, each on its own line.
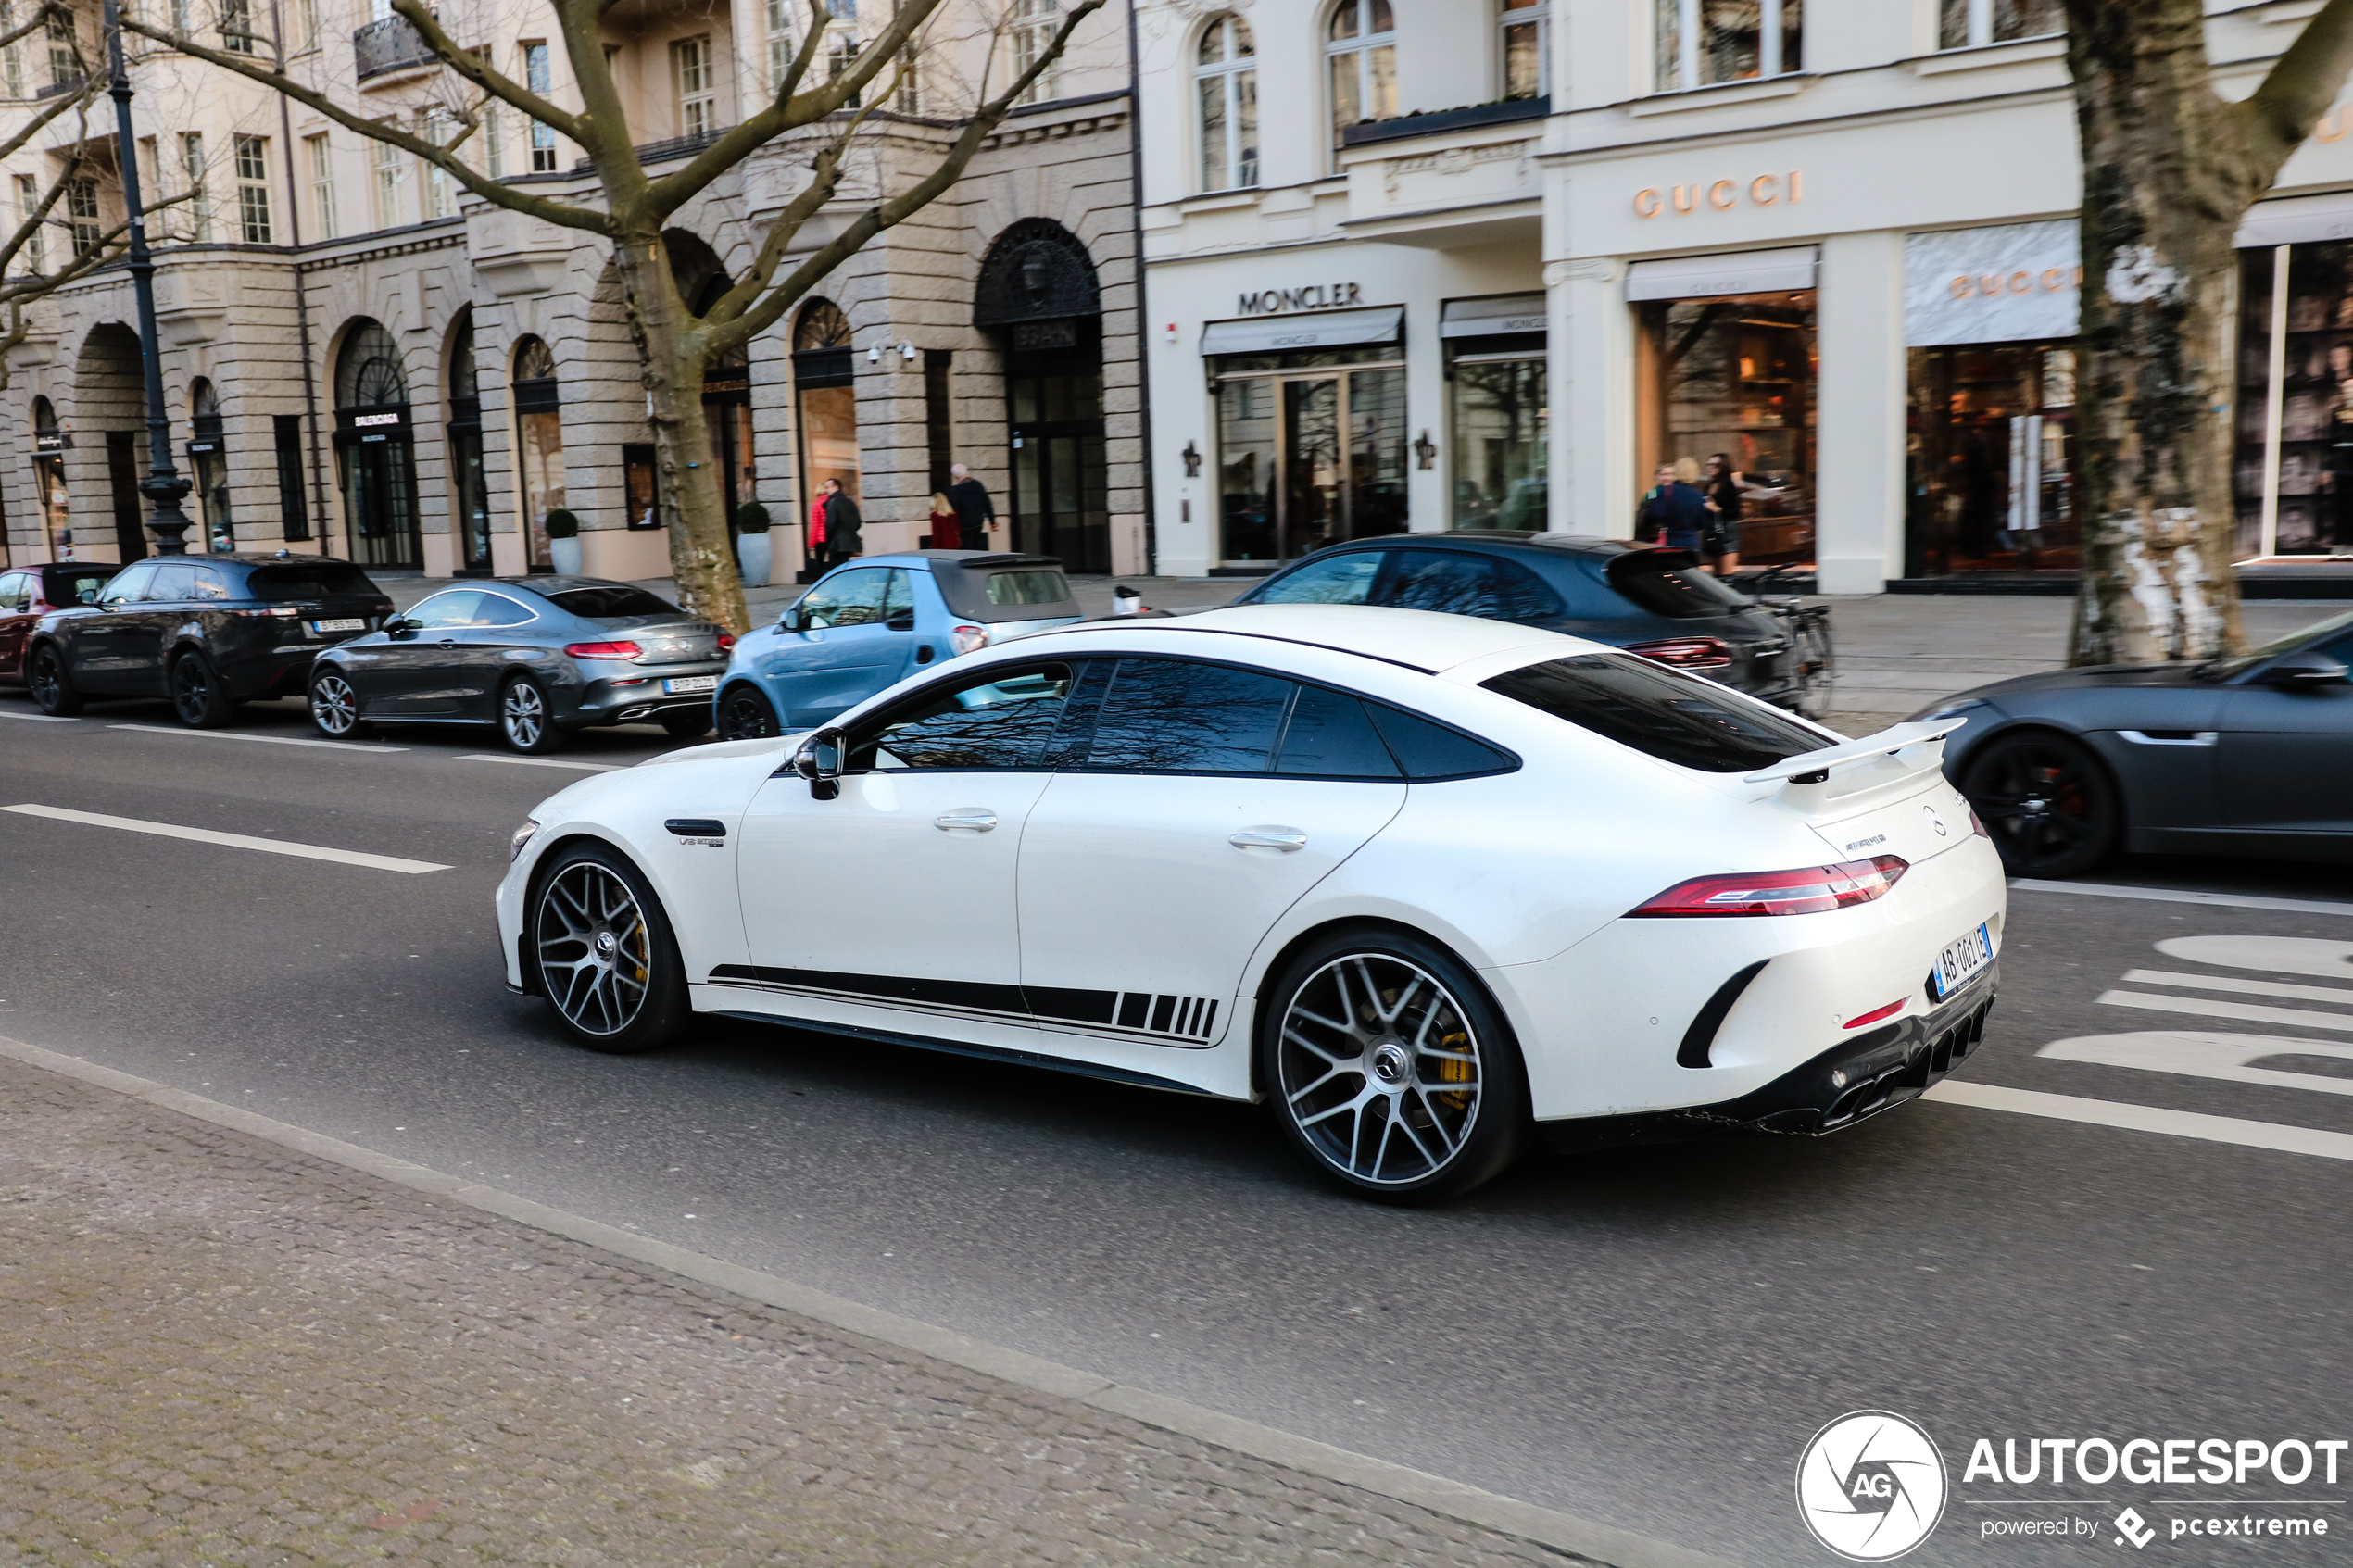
<point x="28" y="592"/>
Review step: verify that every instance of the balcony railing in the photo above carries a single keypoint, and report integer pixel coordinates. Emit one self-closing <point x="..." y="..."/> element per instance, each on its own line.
<point x="389" y="44"/>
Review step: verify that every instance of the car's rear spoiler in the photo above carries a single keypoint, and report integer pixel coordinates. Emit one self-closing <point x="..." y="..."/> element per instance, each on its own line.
<point x="1815" y="766"/>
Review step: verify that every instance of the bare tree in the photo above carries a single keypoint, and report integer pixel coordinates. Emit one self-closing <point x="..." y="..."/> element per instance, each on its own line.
<point x="675" y="344"/>
<point x="2170" y="168"/>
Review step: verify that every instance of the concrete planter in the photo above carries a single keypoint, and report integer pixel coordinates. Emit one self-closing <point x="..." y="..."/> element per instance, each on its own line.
<point x="564" y="553"/>
<point x="755" y="554"/>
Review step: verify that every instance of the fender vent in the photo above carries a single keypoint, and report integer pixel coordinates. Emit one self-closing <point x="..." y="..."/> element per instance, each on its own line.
<point x="1700" y="1038"/>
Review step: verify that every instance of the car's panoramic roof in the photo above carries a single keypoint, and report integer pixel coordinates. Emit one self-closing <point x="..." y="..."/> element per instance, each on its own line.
<point x="1417" y="639"/>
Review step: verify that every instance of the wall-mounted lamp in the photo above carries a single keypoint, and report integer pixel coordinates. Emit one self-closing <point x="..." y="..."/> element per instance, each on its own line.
<point x="906" y="351"/>
<point x="873" y="354"/>
<point x="1193" y="460"/>
<point x="1425" y="449"/>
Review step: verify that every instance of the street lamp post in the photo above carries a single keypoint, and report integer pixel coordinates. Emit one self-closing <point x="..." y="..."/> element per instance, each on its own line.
<point x="163" y="485"/>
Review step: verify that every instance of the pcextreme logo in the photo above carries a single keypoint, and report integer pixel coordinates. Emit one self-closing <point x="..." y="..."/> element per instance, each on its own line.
<point x="1871" y="1485"/>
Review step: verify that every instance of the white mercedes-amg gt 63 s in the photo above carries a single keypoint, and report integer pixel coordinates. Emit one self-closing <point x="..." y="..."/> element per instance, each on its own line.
<point x="1427" y="884"/>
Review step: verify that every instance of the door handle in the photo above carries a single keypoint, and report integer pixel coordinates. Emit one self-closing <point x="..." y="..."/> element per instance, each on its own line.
<point x="966" y="818"/>
<point x="450" y="642"/>
<point x="1284" y="840"/>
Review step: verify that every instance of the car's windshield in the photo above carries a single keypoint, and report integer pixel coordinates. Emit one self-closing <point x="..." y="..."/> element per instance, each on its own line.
<point x="1667" y="583"/>
<point x="1028" y="588"/>
<point x="311" y="580"/>
<point x="610" y="603"/>
<point x="1660" y="712"/>
<point x="2223" y="669"/>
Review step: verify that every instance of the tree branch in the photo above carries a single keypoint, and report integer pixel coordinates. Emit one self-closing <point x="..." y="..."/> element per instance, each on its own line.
<point x="92" y="88"/>
<point x="2299" y="87"/>
<point x="495" y="192"/>
<point x="474" y="69"/>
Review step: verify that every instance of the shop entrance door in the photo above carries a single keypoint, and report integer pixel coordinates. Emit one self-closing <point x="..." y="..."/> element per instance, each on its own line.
<point x="1313" y="513"/>
<point x="1328" y="465"/>
<point x="381" y="501"/>
<point x="122" y="480"/>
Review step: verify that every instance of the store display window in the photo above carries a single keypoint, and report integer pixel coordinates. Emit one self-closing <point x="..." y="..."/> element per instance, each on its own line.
<point x="1991" y="437"/>
<point x="1735" y="375"/>
<point x="1497" y="409"/>
<point x="1311" y="451"/>
<point x="2292" y="474"/>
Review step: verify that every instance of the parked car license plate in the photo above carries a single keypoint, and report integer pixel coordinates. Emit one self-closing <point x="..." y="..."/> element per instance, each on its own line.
<point x="1962" y="960"/>
<point x="690" y="684"/>
<point x="349" y="624"/>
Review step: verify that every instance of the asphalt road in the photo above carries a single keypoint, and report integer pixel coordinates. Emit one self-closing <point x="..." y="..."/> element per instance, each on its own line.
<point x="1645" y="1337"/>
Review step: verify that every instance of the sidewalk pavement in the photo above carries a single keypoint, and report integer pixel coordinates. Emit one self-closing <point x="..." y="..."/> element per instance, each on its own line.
<point x="220" y="1350"/>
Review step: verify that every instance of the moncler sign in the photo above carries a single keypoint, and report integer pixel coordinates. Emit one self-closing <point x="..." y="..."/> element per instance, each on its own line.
<point x="1315" y="296"/>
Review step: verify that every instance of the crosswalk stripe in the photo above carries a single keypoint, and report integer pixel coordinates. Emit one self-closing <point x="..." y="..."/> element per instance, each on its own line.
<point x="2296" y="1018"/>
<point x="2245" y="987"/>
<point x="2147" y="1119"/>
<point x="2197" y="1055"/>
<point x="232" y="840"/>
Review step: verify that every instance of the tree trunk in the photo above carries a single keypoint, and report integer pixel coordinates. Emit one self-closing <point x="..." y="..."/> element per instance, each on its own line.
<point x="672" y="360"/>
<point x="2164" y="188"/>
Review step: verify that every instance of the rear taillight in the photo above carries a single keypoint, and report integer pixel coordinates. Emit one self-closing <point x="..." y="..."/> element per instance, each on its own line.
<point x="968" y="639"/>
<point x="1687" y="653"/>
<point x="726" y="641"/>
<point x="276" y="612"/>
<point x="604" y="650"/>
<point x="1807" y="891"/>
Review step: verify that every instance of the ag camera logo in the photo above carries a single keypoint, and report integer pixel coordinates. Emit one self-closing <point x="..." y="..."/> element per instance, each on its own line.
<point x="1871" y="1485"/>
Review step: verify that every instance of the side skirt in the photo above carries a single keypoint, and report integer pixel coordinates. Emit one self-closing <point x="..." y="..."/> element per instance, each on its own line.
<point x="960" y="1047"/>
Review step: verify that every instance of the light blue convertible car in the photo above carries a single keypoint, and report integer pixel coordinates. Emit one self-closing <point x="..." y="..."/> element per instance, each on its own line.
<point x="877" y="620"/>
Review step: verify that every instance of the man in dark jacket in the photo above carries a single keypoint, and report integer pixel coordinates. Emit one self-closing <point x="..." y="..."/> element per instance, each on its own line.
<point x="842" y="523"/>
<point x="1674" y="512"/>
<point x="974" y="512"/>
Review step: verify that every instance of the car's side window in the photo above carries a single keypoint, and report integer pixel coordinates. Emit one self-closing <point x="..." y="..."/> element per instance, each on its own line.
<point x="208" y="584"/>
<point x="1000" y="721"/>
<point x="900" y="598"/>
<point x="1331" y="737"/>
<point x="2338" y="648"/>
<point x="173" y="582"/>
<point x="439" y="613"/>
<point x="128" y="585"/>
<point x="15" y="592"/>
<point x="853" y="598"/>
<point x="1337" y="580"/>
<point x="497" y="609"/>
<point x="1459" y="582"/>
<point x="1174" y="716"/>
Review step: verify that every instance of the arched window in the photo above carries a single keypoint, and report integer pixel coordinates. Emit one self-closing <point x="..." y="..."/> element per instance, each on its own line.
<point x="368" y="373"/>
<point x="1226" y="75"/>
<point x="821" y="326"/>
<point x="210" y="466"/>
<point x="1362" y="49"/>
<point x="539" y="443"/>
<point x="466" y="465"/>
<point x="1525" y="60"/>
<point x="825" y="399"/>
<point x="464" y="382"/>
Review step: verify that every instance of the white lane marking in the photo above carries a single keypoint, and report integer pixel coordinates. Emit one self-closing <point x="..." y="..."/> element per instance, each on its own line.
<point x="2147" y="1119"/>
<point x="2197" y="1055"/>
<point x="2280" y="955"/>
<point x="2182" y="896"/>
<point x="36" y="718"/>
<point x="232" y="840"/>
<point x="543" y="762"/>
<point x="266" y="740"/>
<point x="2244" y="987"/>
<point x="2294" y="1018"/>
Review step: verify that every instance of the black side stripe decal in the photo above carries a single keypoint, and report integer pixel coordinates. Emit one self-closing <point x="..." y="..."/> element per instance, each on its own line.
<point x="1115" y="1012"/>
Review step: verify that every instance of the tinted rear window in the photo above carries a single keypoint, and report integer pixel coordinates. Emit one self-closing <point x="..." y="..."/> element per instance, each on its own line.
<point x="1459" y="582"/>
<point x="1033" y="587"/>
<point x="1665" y="584"/>
<point x="610" y="603"/>
<point x="1164" y="716"/>
<point x="1660" y="712"/>
<point x="311" y="580"/>
<point x="77" y="587"/>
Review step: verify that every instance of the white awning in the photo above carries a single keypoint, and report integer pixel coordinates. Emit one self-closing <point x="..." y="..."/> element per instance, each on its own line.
<point x="1487" y="318"/>
<point x="1287" y="335"/>
<point x="2298" y="221"/>
<point x="1705" y="277"/>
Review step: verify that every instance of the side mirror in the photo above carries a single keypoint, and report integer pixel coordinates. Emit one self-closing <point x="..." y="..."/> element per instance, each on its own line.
<point x="792" y="619"/>
<point x="819" y="762"/>
<point x="2302" y="671"/>
<point x="394" y="625"/>
<point x="903" y="621"/>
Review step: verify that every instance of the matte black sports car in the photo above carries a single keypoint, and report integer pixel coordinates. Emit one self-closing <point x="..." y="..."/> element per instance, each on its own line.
<point x="538" y="657"/>
<point x="1656" y="603"/>
<point x="2249" y="756"/>
<point x="208" y="632"/>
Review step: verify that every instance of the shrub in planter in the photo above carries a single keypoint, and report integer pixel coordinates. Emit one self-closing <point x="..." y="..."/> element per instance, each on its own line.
<point x="751" y="518"/>
<point x="561" y="524"/>
<point x="563" y="542"/>
<point x="754" y="550"/>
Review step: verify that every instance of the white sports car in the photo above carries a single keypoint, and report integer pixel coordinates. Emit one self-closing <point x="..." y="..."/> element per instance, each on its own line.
<point x="1426" y="882"/>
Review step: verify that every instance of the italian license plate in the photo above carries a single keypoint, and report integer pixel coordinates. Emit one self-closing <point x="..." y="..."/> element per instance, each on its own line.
<point x="349" y="624"/>
<point x="1960" y="961"/>
<point x="690" y="684"/>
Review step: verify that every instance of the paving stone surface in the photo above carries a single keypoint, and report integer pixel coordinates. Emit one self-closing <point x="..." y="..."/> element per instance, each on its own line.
<point x="217" y="1351"/>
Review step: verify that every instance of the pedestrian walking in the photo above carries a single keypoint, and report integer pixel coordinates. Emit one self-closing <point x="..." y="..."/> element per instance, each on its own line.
<point x="973" y="509"/>
<point x="1722" y="546"/>
<point x="1674" y="512"/>
<point x="842" y="523"/>
<point x="946" y="528"/>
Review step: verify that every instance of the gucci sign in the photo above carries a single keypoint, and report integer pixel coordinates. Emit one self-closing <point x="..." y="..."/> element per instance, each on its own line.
<point x="1764" y="190"/>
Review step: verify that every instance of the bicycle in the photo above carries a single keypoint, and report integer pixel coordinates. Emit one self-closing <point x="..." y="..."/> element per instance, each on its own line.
<point x="1813" y="663"/>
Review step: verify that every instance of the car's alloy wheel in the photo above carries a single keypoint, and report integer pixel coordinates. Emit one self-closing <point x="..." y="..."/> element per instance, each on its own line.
<point x="52" y="687"/>
<point x="335" y="707"/>
<point x="2045" y="801"/>
<point x="743" y="714"/>
<point x="604" y="955"/>
<point x="1392" y="1068"/>
<point x="196" y="694"/>
<point x="524" y="720"/>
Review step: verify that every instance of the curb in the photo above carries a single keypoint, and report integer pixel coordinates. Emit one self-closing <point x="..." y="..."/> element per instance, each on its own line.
<point x="1599" y="1545"/>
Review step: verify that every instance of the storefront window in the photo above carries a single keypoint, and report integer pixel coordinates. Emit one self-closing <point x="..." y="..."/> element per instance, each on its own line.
<point x="1992" y="444"/>
<point x="1497" y="409"/>
<point x="373" y="444"/>
<point x="49" y="479"/>
<point x="1736" y="376"/>
<point x="1311" y="450"/>
<point x="825" y="394"/>
<point x="2293" y="475"/>
<point x="539" y="431"/>
<point x="210" y="468"/>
